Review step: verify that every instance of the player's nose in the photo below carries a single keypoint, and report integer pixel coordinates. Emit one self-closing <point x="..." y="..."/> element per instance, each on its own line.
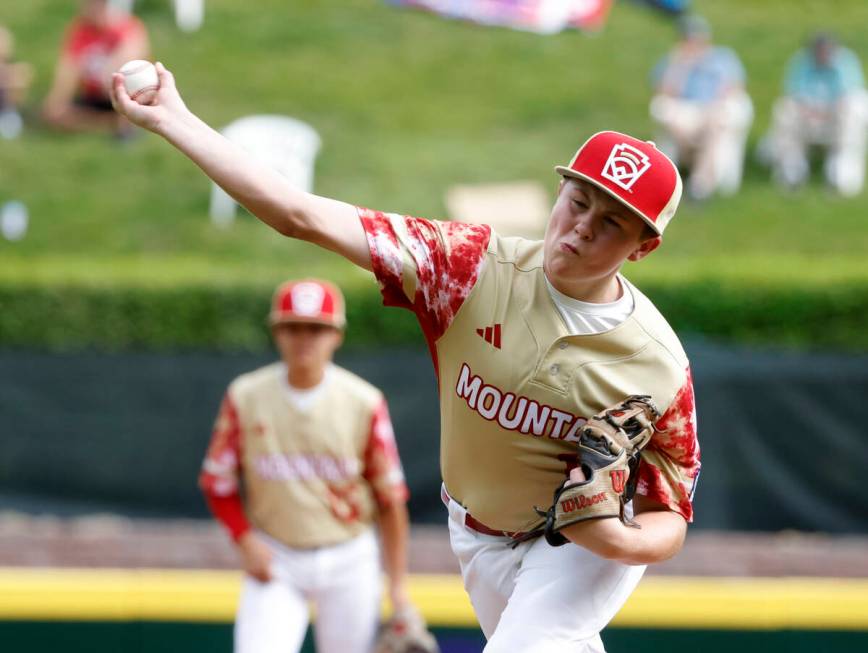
<point x="584" y="226"/>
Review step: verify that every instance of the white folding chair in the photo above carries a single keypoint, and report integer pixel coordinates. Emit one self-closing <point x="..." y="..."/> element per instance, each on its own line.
<point x="519" y="208"/>
<point x="285" y="144"/>
<point x="189" y="14"/>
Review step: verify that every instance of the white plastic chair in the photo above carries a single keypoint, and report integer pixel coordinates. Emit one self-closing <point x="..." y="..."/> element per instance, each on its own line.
<point x="288" y="145"/>
<point x="518" y="208"/>
<point x="189" y="14"/>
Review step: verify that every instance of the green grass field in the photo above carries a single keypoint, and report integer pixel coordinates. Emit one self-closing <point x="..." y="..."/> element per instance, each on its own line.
<point x="407" y="104"/>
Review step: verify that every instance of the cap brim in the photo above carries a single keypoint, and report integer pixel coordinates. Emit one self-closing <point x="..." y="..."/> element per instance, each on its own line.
<point x="305" y="320"/>
<point x="564" y="171"/>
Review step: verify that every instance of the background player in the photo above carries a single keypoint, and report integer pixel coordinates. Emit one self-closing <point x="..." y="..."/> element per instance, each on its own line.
<point x="549" y="333"/>
<point x="312" y="447"/>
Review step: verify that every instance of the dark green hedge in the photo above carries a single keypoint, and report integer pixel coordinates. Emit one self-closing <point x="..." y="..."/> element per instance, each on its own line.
<point x="233" y="317"/>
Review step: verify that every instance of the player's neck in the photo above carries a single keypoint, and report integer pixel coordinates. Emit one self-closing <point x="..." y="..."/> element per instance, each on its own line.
<point x="595" y="291"/>
<point x="304" y="377"/>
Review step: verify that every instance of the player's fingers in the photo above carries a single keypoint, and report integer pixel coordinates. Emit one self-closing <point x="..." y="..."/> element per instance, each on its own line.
<point x="167" y="79"/>
<point x="263" y="575"/>
<point x="119" y="96"/>
<point x="577" y="475"/>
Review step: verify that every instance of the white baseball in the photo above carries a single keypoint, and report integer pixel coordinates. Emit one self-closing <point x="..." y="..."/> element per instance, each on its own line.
<point x="140" y="80"/>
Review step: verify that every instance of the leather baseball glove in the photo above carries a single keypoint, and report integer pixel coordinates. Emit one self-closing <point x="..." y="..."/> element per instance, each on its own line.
<point x="610" y="447"/>
<point x="405" y="632"/>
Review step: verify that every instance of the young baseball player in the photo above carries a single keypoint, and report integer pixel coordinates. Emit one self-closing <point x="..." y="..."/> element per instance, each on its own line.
<point x="530" y="340"/>
<point x="310" y="447"/>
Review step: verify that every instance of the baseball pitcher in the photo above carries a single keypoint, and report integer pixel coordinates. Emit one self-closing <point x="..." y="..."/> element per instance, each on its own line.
<point x="568" y="444"/>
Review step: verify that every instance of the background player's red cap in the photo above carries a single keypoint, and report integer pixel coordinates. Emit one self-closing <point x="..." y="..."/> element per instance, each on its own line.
<point x="308" y="300"/>
<point x="634" y="172"/>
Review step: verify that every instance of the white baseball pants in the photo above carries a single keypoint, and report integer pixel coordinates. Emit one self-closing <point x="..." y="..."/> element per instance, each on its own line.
<point x="343" y="582"/>
<point x="842" y="129"/>
<point x="537" y="598"/>
<point x="710" y="137"/>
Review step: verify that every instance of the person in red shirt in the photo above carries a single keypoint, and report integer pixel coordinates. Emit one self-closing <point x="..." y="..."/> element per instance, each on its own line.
<point x="98" y="41"/>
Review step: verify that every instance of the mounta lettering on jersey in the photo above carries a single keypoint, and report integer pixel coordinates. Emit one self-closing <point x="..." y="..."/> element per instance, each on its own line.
<point x="516" y="413"/>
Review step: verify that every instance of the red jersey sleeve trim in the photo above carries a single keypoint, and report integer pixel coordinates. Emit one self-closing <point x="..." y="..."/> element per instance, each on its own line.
<point x="382" y="464"/>
<point x="229" y="511"/>
<point x="425" y="266"/>
<point x="671" y="462"/>
<point x="220" y="469"/>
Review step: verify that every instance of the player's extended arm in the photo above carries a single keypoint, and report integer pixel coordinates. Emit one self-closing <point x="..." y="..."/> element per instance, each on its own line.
<point x="264" y="192"/>
<point x="660" y="537"/>
<point x="394" y="530"/>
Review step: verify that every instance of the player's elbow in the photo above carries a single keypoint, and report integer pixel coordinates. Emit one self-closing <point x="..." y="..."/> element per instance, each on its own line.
<point x="296" y="223"/>
<point x="663" y="542"/>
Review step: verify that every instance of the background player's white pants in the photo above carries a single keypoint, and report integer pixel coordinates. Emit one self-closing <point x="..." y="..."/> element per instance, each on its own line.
<point x="344" y="583"/>
<point x="841" y="129"/>
<point x="537" y="598"/>
<point x="709" y="137"/>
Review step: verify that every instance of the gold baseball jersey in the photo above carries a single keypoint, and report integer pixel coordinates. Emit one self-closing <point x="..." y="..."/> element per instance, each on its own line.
<point x="310" y="476"/>
<point x="515" y="385"/>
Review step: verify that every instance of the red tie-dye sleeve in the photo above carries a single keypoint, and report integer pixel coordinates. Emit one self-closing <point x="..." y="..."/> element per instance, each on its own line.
<point x="382" y="465"/>
<point x="220" y="472"/>
<point x="670" y="464"/>
<point x="427" y="266"/>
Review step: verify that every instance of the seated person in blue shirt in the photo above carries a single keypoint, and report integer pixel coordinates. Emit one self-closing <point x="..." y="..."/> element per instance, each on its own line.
<point x="824" y="104"/>
<point x="702" y="110"/>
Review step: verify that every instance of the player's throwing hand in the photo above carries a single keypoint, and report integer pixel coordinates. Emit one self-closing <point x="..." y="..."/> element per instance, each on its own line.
<point x="167" y="106"/>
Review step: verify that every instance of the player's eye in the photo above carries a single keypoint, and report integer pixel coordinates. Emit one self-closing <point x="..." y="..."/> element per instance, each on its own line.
<point x="612" y="221"/>
<point x="580" y="204"/>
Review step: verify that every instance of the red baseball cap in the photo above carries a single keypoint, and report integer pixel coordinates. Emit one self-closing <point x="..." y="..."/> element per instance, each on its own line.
<point x="308" y="300"/>
<point x="634" y="172"/>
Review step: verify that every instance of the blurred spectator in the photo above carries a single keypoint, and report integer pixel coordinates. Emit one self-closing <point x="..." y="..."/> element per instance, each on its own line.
<point x="824" y="104"/>
<point x="15" y="79"/>
<point x="702" y="110"/>
<point x="669" y="6"/>
<point x="98" y="41"/>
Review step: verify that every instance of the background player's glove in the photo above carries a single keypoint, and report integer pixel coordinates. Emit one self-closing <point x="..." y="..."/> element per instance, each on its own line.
<point x="610" y="447"/>
<point x="405" y="632"/>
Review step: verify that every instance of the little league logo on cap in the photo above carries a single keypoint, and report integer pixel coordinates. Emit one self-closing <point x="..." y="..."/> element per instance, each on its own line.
<point x="632" y="171"/>
<point x="308" y="300"/>
<point x="625" y="165"/>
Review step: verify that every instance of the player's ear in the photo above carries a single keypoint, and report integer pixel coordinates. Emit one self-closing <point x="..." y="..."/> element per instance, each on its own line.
<point x="645" y="248"/>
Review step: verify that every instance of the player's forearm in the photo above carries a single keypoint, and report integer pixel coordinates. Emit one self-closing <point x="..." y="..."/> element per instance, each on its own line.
<point x="394" y="532"/>
<point x="229" y="511"/>
<point x="660" y="537"/>
<point x="264" y="192"/>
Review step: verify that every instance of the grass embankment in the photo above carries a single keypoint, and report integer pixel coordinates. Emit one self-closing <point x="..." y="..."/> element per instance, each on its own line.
<point x="407" y="104"/>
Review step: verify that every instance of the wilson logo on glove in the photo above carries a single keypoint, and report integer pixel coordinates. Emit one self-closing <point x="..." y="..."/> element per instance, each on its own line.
<point x="577" y="503"/>
<point x="610" y="445"/>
